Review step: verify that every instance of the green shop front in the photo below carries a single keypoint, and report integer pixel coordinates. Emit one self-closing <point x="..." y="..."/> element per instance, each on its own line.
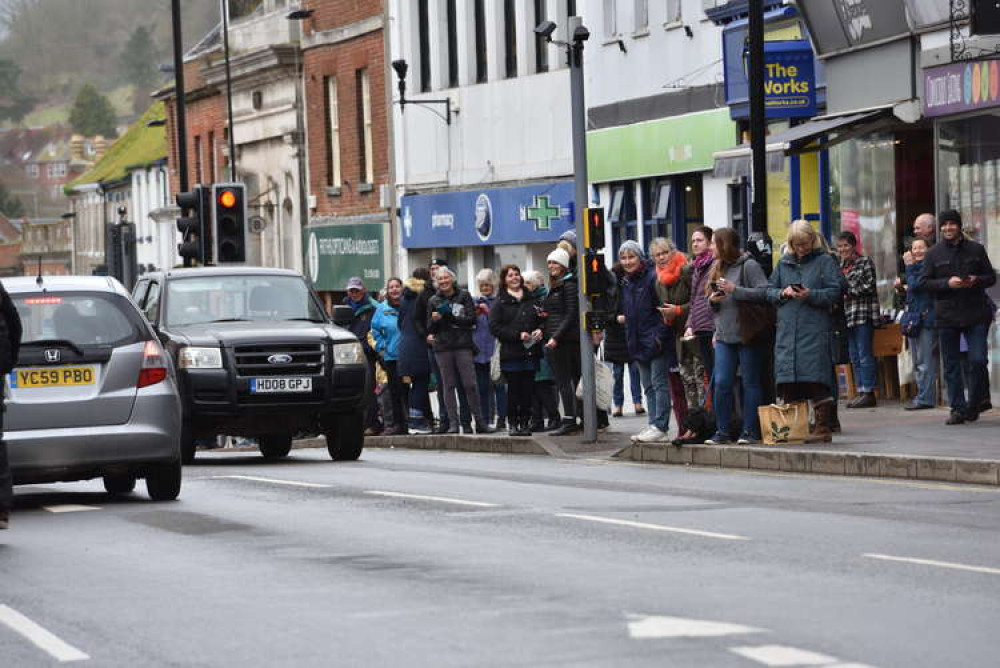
<point x="654" y="178"/>
<point x="335" y="253"/>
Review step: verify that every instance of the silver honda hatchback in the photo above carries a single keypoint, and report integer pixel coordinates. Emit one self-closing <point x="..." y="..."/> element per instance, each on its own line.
<point x="92" y="393"/>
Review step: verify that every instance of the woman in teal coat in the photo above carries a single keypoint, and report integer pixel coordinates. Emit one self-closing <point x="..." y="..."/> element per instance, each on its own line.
<point x="804" y="287"/>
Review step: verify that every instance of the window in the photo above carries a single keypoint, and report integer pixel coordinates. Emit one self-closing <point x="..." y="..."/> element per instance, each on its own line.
<point x="423" y="26"/>
<point x="610" y="18"/>
<point x="641" y="16"/>
<point x="570" y="7"/>
<point x="333" y="177"/>
<point x="541" y="45"/>
<point x="661" y="206"/>
<point x="367" y="169"/>
<point x="452" y="44"/>
<point x="617" y="198"/>
<point x="479" y="18"/>
<point x="510" y="39"/>
<point x="673" y="11"/>
<point x="33" y="171"/>
<point x="211" y="156"/>
<point x="152" y="306"/>
<point x="197" y="159"/>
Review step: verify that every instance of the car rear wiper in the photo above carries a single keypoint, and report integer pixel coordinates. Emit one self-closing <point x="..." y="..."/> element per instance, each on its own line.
<point x="42" y="343"/>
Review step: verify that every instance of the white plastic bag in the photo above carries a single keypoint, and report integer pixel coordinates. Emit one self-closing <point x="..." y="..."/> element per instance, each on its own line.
<point x="603" y="379"/>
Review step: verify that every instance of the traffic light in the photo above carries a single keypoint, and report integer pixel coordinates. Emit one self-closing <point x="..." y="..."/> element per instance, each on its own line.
<point x="593" y="228"/>
<point x="595" y="276"/>
<point x="192" y="226"/>
<point x="229" y="203"/>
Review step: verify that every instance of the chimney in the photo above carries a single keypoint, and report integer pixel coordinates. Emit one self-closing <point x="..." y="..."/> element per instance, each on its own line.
<point x="76" y="146"/>
<point x="100" y="146"/>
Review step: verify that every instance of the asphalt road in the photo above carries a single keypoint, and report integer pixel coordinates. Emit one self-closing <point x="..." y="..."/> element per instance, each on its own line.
<point x="412" y="558"/>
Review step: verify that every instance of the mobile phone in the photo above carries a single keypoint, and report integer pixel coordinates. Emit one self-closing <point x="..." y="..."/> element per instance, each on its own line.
<point x="798" y="287"/>
<point x="714" y="286"/>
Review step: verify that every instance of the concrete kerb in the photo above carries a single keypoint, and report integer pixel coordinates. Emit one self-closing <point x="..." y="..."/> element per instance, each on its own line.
<point x="821" y="462"/>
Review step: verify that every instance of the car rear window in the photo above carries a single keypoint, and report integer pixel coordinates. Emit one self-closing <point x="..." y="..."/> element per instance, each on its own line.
<point x="86" y="319"/>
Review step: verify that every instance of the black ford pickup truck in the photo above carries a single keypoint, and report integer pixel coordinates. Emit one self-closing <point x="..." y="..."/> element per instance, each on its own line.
<point x="256" y="356"/>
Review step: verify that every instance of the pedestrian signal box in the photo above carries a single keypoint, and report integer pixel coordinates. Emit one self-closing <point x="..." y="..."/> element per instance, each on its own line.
<point x="593" y="229"/>
<point x="594" y="274"/>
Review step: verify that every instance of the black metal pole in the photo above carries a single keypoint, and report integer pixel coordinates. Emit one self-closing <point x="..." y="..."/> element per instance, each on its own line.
<point x="758" y="123"/>
<point x="229" y="91"/>
<point x="181" y="121"/>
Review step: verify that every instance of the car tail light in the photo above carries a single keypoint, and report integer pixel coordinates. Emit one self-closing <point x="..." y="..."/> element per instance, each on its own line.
<point x="154" y="365"/>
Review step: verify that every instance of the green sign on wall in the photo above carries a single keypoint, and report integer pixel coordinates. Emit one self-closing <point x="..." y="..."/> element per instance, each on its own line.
<point x="672" y="145"/>
<point x="335" y="253"/>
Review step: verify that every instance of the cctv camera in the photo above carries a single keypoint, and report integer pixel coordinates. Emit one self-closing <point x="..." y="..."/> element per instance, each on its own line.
<point x="545" y="29"/>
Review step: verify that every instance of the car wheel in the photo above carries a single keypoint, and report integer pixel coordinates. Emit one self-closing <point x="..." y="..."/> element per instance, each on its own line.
<point x="275" y="446"/>
<point x="119" y="484"/>
<point x="163" y="481"/>
<point x="345" y="438"/>
<point x="188" y="445"/>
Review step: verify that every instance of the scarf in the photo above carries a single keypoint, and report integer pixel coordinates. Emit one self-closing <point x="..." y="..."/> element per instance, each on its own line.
<point x="703" y="260"/>
<point x="671" y="272"/>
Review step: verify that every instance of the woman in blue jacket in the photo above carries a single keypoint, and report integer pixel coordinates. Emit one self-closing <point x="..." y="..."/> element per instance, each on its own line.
<point x="649" y="340"/>
<point x="919" y="321"/>
<point x="385" y="331"/>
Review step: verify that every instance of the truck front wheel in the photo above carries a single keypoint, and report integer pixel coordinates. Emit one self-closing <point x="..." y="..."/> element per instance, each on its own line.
<point x="345" y="436"/>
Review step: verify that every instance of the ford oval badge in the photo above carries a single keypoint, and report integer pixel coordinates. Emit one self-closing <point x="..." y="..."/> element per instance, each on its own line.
<point x="279" y="358"/>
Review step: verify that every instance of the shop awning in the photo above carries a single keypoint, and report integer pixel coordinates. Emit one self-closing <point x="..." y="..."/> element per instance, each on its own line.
<point x="799" y="139"/>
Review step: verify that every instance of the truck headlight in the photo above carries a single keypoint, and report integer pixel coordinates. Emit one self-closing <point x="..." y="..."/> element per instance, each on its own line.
<point x="200" y="358"/>
<point x="348" y="353"/>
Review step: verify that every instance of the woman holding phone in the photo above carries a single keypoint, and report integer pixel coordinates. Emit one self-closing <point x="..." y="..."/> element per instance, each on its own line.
<point x="804" y="286"/>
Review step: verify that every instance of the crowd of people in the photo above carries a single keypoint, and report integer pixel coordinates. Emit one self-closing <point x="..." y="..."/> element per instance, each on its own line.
<point x="718" y="332"/>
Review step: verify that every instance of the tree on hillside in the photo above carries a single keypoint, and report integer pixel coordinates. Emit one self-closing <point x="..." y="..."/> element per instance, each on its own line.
<point x="10" y="206"/>
<point x="92" y="113"/>
<point x="14" y="103"/>
<point x="139" y="58"/>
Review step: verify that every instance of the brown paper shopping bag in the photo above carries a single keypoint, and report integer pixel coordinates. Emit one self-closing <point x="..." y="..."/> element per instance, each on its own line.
<point x="784" y="423"/>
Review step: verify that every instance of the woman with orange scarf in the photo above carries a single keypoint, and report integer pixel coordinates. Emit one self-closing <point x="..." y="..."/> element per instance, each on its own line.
<point x="673" y="286"/>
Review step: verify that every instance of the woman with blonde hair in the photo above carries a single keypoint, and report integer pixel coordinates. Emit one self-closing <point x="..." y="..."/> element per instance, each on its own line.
<point x="804" y="287"/>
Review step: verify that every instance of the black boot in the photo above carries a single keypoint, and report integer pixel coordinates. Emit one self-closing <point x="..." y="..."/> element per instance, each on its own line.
<point x="569" y="426"/>
<point x="526" y="427"/>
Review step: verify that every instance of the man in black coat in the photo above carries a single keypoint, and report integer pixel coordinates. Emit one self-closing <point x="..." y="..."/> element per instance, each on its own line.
<point x="957" y="271"/>
<point x="10" y="343"/>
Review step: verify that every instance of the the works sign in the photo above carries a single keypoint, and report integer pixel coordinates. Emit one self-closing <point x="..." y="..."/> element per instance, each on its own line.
<point x="789" y="79"/>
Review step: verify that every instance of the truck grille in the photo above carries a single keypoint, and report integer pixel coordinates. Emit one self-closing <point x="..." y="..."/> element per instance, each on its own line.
<point x="307" y="359"/>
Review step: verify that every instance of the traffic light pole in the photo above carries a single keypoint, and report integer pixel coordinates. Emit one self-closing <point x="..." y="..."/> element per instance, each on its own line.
<point x="181" y="122"/>
<point x="758" y="122"/>
<point x="579" y="116"/>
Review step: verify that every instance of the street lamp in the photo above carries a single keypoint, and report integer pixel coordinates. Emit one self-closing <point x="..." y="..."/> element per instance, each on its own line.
<point x="300" y="123"/>
<point x="400" y="67"/>
<point x="574" y="59"/>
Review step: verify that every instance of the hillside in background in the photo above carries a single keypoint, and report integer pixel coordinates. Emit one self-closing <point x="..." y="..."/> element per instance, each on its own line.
<point x="116" y="45"/>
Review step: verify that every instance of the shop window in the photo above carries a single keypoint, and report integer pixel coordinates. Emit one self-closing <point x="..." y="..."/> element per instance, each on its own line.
<point x="424" y="44"/>
<point x="653" y="194"/>
<point x="622" y="213"/>
<point x="541" y="44"/>
<point x="692" y="212"/>
<point x="452" y="20"/>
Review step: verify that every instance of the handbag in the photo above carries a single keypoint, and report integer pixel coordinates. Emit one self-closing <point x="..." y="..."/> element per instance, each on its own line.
<point x="784" y="423"/>
<point x="604" y="381"/>
<point x="496" y="374"/>
<point x="757" y="319"/>
<point x="904" y="365"/>
<point x="911" y="323"/>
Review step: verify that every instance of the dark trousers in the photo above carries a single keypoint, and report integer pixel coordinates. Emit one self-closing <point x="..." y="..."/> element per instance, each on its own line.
<point x="463" y="402"/>
<point x="492" y="396"/>
<point x="397" y="394"/>
<point x="420" y="398"/>
<point x="707" y="354"/>
<point x="545" y="402"/>
<point x="521" y="393"/>
<point x="6" y="482"/>
<point x="458" y="374"/>
<point x="976" y="338"/>
<point x="565" y="362"/>
<point x="372" y="414"/>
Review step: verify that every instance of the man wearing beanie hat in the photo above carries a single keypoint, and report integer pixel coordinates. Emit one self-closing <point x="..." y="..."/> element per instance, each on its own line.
<point x="957" y="271"/>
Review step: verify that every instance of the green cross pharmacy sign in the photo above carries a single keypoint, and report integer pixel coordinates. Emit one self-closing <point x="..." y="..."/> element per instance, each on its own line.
<point x="542" y="212"/>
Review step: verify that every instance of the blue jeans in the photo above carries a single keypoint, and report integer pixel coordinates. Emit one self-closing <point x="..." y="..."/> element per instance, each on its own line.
<point x="749" y="359"/>
<point x="492" y="398"/>
<point x="923" y="349"/>
<point x="975" y="337"/>
<point x="859" y="345"/>
<point x="618" y="393"/>
<point x="653" y="375"/>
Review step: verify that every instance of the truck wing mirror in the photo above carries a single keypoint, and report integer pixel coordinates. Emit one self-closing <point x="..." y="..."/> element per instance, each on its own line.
<point x="342" y="315"/>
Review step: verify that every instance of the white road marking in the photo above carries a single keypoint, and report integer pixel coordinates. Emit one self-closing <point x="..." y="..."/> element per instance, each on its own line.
<point x="938" y="564"/>
<point x="42" y="638"/>
<point x="272" y="481"/>
<point x="69" y="508"/>
<point x="440" y="499"/>
<point x="654" y="527"/>
<point x="779" y="655"/>
<point x="643" y="627"/>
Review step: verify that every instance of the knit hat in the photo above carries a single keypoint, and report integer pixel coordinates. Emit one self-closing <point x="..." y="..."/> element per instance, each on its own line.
<point x="949" y="216"/>
<point x="568" y="235"/>
<point x="560" y="256"/>
<point x="631" y="247"/>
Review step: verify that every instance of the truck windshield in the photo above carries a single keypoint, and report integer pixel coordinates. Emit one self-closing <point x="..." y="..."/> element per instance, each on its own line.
<point x="205" y="299"/>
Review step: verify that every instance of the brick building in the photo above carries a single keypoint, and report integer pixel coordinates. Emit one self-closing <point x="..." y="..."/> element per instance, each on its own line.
<point x="10" y="247"/>
<point x="348" y="139"/>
